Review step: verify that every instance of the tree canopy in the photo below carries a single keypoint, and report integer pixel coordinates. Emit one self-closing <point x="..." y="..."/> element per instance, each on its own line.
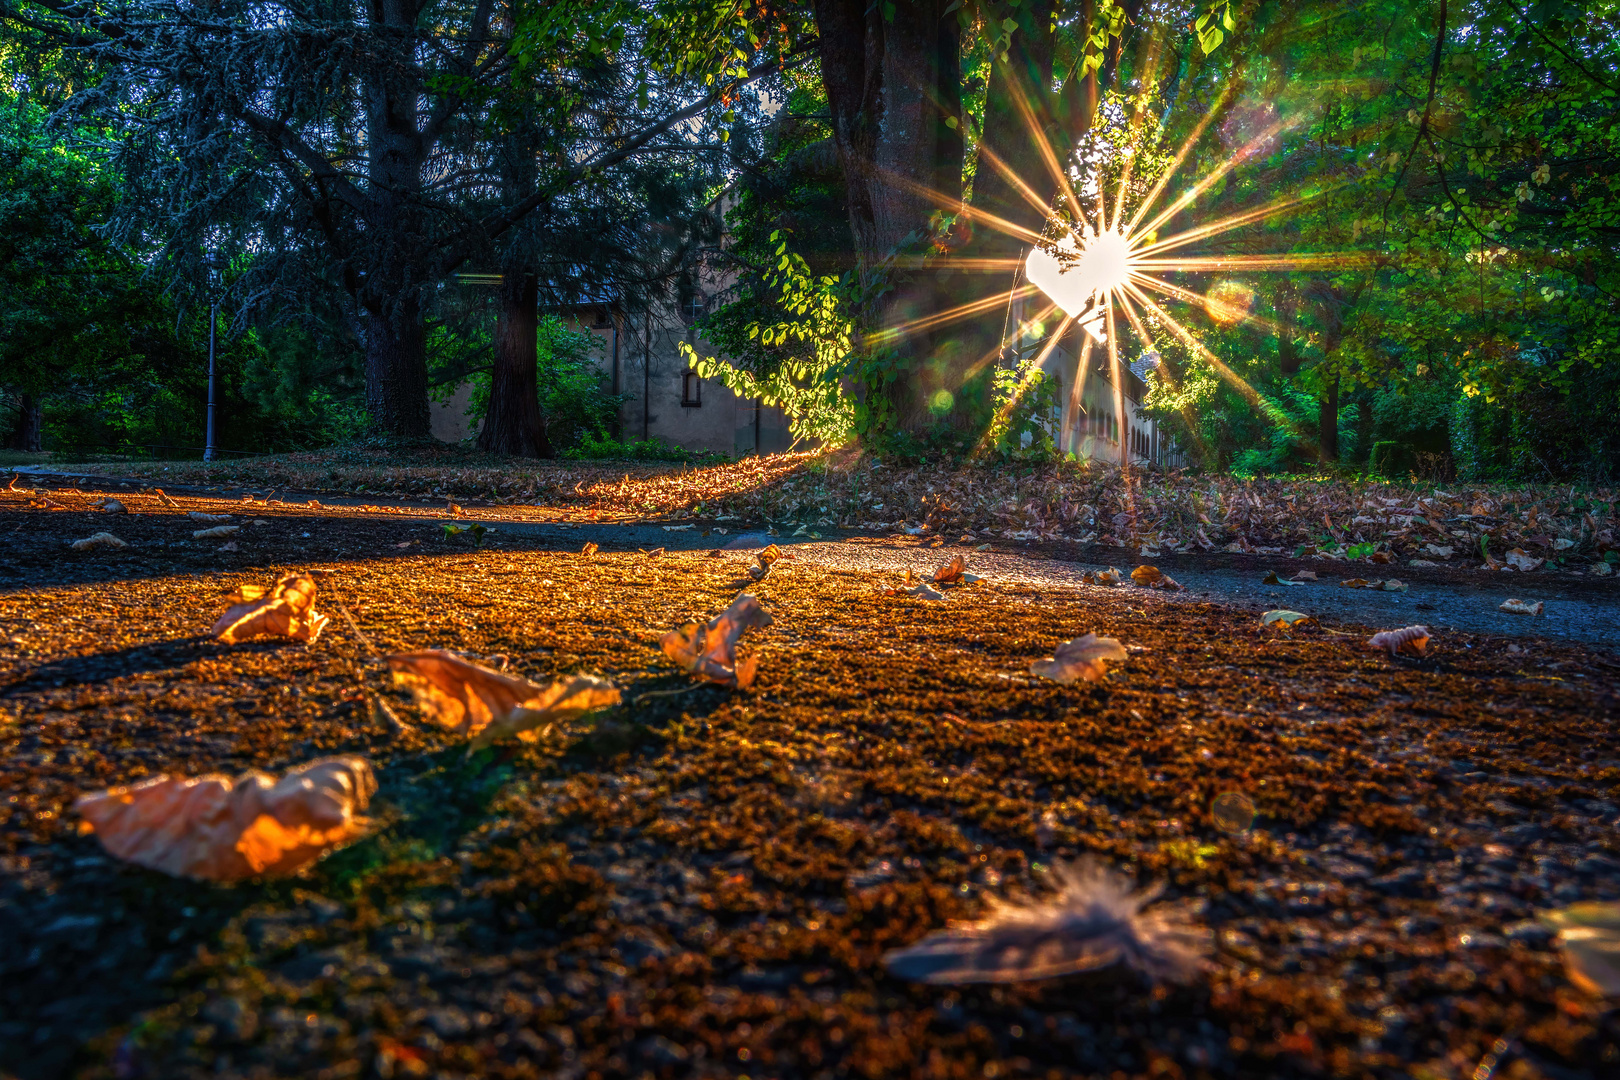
<point x="1403" y="218"/>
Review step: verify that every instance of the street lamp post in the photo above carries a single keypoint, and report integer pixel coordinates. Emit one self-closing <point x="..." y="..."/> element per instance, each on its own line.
<point x="214" y="275"/>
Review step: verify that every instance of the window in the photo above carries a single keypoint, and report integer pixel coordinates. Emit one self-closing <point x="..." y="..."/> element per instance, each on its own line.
<point x="693" y="307"/>
<point x="691" y="390"/>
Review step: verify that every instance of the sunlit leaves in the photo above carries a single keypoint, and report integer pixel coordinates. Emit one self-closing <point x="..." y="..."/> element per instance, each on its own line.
<point x="216" y="829"/>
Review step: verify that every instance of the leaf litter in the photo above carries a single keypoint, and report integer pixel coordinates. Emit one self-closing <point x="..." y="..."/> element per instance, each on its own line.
<point x="567" y="864"/>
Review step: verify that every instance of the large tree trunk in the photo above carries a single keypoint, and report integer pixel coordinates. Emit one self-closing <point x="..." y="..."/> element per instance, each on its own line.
<point x="26" y="435"/>
<point x="396" y="371"/>
<point x="1328" y="421"/>
<point x="892" y="85"/>
<point x="396" y="339"/>
<point x="513" y="425"/>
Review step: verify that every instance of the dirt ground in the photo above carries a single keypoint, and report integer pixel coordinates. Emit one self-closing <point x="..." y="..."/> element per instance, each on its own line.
<point x="701" y="881"/>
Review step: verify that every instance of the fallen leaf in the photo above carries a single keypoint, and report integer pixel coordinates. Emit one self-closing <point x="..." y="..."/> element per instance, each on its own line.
<point x="766" y="559"/>
<point x="1411" y="639"/>
<point x="1521" y="607"/>
<point x="1110" y="576"/>
<point x="1288" y="619"/>
<point x="564" y="699"/>
<point x="677" y="528"/>
<point x="1093" y="921"/>
<point x="1149" y="575"/>
<point x="1602" y="569"/>
<point x="1379" y="557"/>
<point x="1439" y="551"/>
<point x="1589" y="938"/>
<point x="288" y="610"/>
<point x="655" y="553"/>
<point x="246" y="593"/>
<point x="313" y="504"/>
<point x="590" y="548"/>
<point x="98" y="540"/>
<point x="1563" y="544"/>
<point x="458" y="694"/>
<point x="951" y="573"/>
<point x="710" y="650"/>
<point x="111" y="506"/>
<point x="215" y="829"/>
<point x="216" y="532"/>
<point x="1304" y="575"/>
<point x="1079" y="660"/>
<point x="229" y="546"/>
<point x="1391" y="585"/>
<point x="1354" y="583"/>
<point x="1272" y="579"/>
<point x="164" y="498"/>
<point x="198" y="515"/>
<point x="982" y="547"/>
<point x="45" y="504"/>
<point x="1523" y="561"/>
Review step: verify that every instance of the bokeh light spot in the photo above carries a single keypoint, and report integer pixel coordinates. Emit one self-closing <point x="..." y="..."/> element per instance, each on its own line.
<point x="1229" y="301"/>
<point x="1233" y="812"/>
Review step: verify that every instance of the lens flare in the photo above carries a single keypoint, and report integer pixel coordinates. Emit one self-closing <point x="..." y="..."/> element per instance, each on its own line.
<point x="1229" y="302"/>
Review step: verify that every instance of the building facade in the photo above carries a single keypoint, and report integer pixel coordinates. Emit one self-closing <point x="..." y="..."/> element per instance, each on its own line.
<point x="1085" y="423"/>
<point x="640" y="354"/>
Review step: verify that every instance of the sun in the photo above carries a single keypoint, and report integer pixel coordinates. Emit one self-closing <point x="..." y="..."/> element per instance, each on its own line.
<point x="1081" y="272"/>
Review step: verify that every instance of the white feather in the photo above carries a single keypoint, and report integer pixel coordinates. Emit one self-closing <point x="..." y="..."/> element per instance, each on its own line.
<point x="1092" y="921"/>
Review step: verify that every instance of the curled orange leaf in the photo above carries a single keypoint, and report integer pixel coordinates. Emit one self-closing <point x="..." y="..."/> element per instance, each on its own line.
<point x="288" y="610"/>
<point x="1410" y="639"/>
<point x="216" y="829"/>
<point x="1079" y="660"/>
<point x="710" y="650"/>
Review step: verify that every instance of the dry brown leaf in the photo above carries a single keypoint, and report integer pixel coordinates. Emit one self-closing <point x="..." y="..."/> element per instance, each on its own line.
<point x="1110" y="576"/>
<point x="98" y="540"/>
<point x="1304" y="575"/>
<point x="459" y="694"/>
<point x="247" y="593"/>
<point x="12" y="486"/>
<point x="655" y="553"/>
<point x="1522" y="561"/>
<point x="198" y="515"/>
<point x="163" y="498"/>
<point x="1379" y="557"/>
<point x="1589" y="937"/>
<point x="1410" y="639"/>
<point x="216" y="829"/>
<point x="45" y="504"/>
<point x="288" y="610"/>
<point x="590" y="548"/>
<point x="217" y="532"/>
<point x="1079" y="660"/>
<point x="111" y="506"/>
<point x="1521" y="607"/>
<point x="562" y="700"/>
<point x="710" y="651"/>
<point x="767" y="559"/>
<point x="1354" y="583"/>
<point x="1147" y="575"/>
<point x="952" y="572"/>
